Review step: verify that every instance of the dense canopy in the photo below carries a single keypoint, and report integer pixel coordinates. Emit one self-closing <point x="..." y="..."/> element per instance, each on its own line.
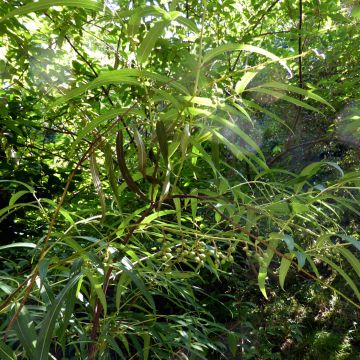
<point x="179" y="179"/>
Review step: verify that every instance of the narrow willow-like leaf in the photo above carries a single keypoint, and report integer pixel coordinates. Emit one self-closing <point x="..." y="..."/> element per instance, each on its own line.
<point x="150" y="39"/>
<point x="19" y="244"/>
<point x="26" y="333"/>
<point x="15" y="197"/>
<point x="264" y="264"/>
<point x="122" y="76"/>
<point x="150" y="218"/>
<point x="191" y="25"/>
<point x="241" y="153"/>
<point x="162" y="139"/>
<point x="123" y="168"/>
<point x="165" y="95"/>
<point x="194" y="203"/>
<point x="284" y="268"/>
<point x="252" y="104"/>
<point x="111" y="114"/>
<point x="351" y="240"/>
<point x="236" y="129"/>
<point x="237" y="47"/>
<point x="282" y="96"/>
<point x="137" y="280"/>
<point x="96" y="284"/>
<point x="48" y="324"/>
<point x="141" y="152"/>
<point x="121" y="285"/>
<point x="295" y="89"/>
<point x="146" y="347"/>
<point x="339" y="270"/>
<point x="350" y="257"/>
<point x="111" y="341"/>
<point x="45" y="4"/>
<point x="245" y="80"/>
<point x="185" y="140"/>
<point x="177" y="204"/>
<point x="97" y="183"/>
<point x="6" y="352"/>
<point x="111" y="173"/>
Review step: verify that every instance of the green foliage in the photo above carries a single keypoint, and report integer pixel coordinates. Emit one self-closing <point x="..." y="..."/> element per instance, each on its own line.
<point x="156" y="178"/>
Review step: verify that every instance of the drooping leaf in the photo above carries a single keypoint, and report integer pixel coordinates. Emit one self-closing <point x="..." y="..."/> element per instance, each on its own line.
<point x="25" y="331"/>
<point x="265" y="262"/>
<point x="238" y="47"/>
<point x="97" y="183"/>
<point x="45" y="4"/>
<point x="150" y="39"/>
<point x="48" y="324"/>
<point x="6" y="352"/>
<point x="284" y="268"/>
<point x="163" y="141"/>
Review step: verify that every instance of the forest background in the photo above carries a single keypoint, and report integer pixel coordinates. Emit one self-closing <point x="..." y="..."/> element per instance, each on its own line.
<point x="179" y="179"/>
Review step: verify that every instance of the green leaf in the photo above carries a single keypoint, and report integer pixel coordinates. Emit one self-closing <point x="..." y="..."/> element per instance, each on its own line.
<point x="146" y="347"/>
<point x="26" y="333"/>
<point x="346" y="238"/>
<point x="284" y="268"/>
<point x="236" y="47"/>
<point x="20" y="244"/>
<point x="48" y="324"/>
<point x="295" y="89"/>
<point x="177" y="204"/>
<point x="191" y="25"/>
<point x="346" y="277"/>
<point x="5" y="352"/>
<point x="137" y="280"/>
<point x="289" y="241"/>
<point x="264" y="264"/>
<point x="111" y="173"/>
<point x="162" y="139"/>
<point x="120" y="288"/>
<point x="111" y="114"/>
<point x="122" y="76"/>
<point x="97" y="286"/>
<point x="350" y="257"/>
<point x="150" y="39"/>
<point x="282" y="96"/>
<point x="97" y="183"/>
<point x="245" y="80"/>
<point x="141" y="152"/>
<point x="45" y="4"/>
<point x="15" y="197"/>
<point x="233" y="339"/>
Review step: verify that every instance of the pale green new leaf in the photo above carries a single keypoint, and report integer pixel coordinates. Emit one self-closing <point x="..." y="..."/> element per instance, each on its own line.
<point x="45" y="4"/>
<point x="245" y="80"/>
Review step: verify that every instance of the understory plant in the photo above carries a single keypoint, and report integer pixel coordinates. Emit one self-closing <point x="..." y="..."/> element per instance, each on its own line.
<point x="159" y="187"/>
